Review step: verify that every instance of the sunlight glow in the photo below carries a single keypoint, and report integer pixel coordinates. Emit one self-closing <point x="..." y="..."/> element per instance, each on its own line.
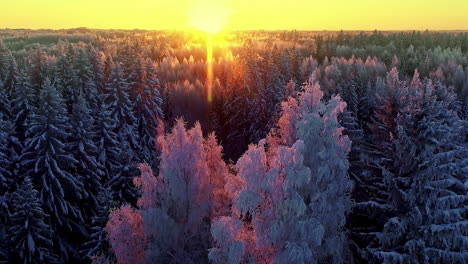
<point x="209" y="66"/>
<point x="214" y="15"/>
<point x="209" y="16"/>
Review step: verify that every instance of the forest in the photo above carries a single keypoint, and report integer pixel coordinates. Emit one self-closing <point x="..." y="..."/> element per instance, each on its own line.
<point x="315" y="147"/>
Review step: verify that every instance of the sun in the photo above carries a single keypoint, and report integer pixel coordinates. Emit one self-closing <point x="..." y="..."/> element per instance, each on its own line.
<point x="208" y="16"/>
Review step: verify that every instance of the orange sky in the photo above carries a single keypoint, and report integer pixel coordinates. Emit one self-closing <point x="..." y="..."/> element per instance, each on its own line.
<point x="237" y="14"/>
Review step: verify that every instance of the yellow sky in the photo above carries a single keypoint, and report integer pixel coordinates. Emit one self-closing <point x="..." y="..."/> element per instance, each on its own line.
<point x="243" y="14"/>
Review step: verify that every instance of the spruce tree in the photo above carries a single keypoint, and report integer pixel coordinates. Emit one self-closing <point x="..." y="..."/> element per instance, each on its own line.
<point x="147" y="109"/>
<point x="83" y="148"/>
<point x="47" y="160"/>
<point x="429" y="184"/>
<point x="30" y="237"/>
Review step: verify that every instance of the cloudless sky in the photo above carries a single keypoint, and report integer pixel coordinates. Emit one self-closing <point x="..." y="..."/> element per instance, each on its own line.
<point x="243" y="14"/>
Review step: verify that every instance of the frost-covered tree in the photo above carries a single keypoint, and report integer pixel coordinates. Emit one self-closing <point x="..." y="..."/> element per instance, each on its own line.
<point x="9" y="147"/>
<point x="120" y="105"/>
<point x="218" y="176"/>
<point x="98" y="244"/>
<point x="147" y="110"/>
<point x="126" y="235"/>
<point x="181" y="202"/>
<point x="294" y="197"/>
<point x="229" y="246"/>
<point x="107" y="144"/>
<point x="46" y="160"/>
<point x="325" y="155"/>
<point x="373" y="205"/>
<point x="22" y="102"/>
<point x="83" y="147"/>
<point x="6" y="131"/>
<point x="30" y="237"/>
<point x="430" y="182"/>
<point x="175" y="206"/>
<point x="38" y="68"/>
<point x="121" y="111"/>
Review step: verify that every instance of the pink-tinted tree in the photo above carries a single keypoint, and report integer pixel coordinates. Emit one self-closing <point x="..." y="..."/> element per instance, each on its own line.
<point x="125" y="230"/>
<point x="294" y="189"/>
<point x="175" y="206"/>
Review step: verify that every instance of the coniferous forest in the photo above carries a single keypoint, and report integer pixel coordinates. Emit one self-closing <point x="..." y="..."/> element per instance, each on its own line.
<point x="130" y="146"/>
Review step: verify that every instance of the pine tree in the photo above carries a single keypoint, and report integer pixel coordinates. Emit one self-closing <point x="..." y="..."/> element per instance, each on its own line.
<point x="5" y="106"/>
<point x="4" y="61"/>
<point x="9" y="147"/>
<point x="65" y="76"/>
<point x="30" y="237"/>
<point x="374" y="204"/>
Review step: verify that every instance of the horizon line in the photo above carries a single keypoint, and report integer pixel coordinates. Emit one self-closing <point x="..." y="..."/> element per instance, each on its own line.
<point x="234" y="30"/>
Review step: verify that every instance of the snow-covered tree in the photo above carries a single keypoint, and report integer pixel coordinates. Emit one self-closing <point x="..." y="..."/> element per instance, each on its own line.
<point x="98" y="244"/>
<point x="9" y="146"/>
<point x="38" y="68"/>
<point x="181" y="202"/>
<point x="22" y="102"/>
<point x="83" y="147"/>
<point x="121" y="111"/>
<point x="218" y="176"/>
<point x="120" y="105"/>
<point x="325" y="155"/>
<point x="30" y="237"/>
<point x="430" y="182"/>
<point x="175" y="206"/>
<point x="147" y="110"/>
<point x="294" y="197"/>
<point x="46" y="160"/>
<point x="126" y="235"/>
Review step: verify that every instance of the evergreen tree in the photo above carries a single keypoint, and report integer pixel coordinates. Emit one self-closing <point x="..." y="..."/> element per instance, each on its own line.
<point x="22" y="102"/>
<point x="83" y="148"/>
<point x="30" y="236"/>
<point x="294" y="197"/>
<point x="85" y="79"/>
<point x="9" y="146"/>
<point x="121" y="111"/>
<point x="147" y="109"/>
<point x="47" y="160"/>
<point x="430" y="183"/>
<point x="37" y="71"/>
<point x="98" y="245"/>
<point x="120" y="106"/>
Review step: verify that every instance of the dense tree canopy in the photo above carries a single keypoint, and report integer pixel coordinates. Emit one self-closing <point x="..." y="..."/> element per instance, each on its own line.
<point x="318" y="147"/>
